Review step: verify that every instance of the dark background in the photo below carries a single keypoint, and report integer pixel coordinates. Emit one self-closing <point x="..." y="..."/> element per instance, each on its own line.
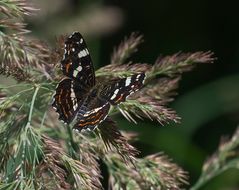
<point x="208" y="96"/>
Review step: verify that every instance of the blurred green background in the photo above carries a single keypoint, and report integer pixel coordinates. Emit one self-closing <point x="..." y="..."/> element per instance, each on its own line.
<point x="208" y="96"/>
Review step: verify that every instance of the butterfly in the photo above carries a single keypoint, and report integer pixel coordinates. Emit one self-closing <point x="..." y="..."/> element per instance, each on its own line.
<point x="78" y="97"/>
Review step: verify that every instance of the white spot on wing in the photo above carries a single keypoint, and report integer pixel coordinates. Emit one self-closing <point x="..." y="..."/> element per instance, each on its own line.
<point x="127" y="82"/>
<point x="137" y="78"/>
<point x="75" y="106"/>
<point x="75" y="73"/>
<point x="116" y="91"/>
<point x="113" y="97"/>
<point x="63" y="121"/>
<point x="144" y="79"/>
<point x="93" y="111"/>
<point x="76" y="130"/>
<point x="80" y="54"/>
<point x="73" y="96"/>
<point x="115" y="94"/>
<point x="79" y="68"/>
<point x="83" y="53"/>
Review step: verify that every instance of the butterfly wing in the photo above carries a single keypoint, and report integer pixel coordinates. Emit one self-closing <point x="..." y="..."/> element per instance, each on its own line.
<point x="98" y="107"/>
<point x="69" y="95"/>
<point x="117" y="91"/>
<point x="77" y="63"/>
<point x="92" y="115"/>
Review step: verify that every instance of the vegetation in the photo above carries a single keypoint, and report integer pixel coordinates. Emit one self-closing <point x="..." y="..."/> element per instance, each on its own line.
<point x="38" y="152"/>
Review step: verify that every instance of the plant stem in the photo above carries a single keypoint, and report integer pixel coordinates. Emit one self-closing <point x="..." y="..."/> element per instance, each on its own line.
<point x="205" y="178"/>
<point x="201" y="182"/>
<point x="32" y="104"/>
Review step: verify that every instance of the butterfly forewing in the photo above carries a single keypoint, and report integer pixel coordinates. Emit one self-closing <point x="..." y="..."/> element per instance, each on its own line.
<point x="76" y="62"/>
<point x="69" y="95"/>
<point x="117" y="91"/>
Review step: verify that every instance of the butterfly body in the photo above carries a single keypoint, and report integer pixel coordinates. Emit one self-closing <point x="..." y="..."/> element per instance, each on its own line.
<point x="78" y="98"/>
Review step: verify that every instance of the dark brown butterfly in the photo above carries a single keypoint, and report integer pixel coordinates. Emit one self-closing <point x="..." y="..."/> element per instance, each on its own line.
<point x="78" y="97"/>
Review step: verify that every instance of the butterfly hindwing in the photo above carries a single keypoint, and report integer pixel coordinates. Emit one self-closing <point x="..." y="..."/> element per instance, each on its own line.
<point x="92" y="115"/>
<point x="67" y="99"/>
<point x="117" y="91"/>
<point x="97" y="106"/>
<point x="76" y="62"/>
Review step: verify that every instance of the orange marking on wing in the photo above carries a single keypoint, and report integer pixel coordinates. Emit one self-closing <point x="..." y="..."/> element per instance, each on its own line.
<point x="64" y="111"/>
<point x="68" y="104"/>
<point x="90" y="122"/>
<point x="120" y="98"/>
<point x="59" y="97"/>
<point x="93" y="116"/>
<point x="59" y="100"/>
<point x="68" y="67"/>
